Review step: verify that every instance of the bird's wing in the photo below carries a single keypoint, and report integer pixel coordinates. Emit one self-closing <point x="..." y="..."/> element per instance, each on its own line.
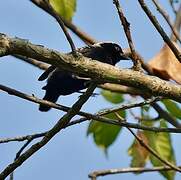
<point x="96" y="52"/>
<point x="85" y="50"/>
<point x="46" y="73"/>
<point x="90" y="51"/>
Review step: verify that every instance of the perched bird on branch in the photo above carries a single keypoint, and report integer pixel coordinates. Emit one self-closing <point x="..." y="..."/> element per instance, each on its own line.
<point x="61" y="82"/>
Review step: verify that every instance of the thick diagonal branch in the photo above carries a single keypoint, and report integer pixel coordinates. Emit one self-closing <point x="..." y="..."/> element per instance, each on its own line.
<point x="96" y="70"/>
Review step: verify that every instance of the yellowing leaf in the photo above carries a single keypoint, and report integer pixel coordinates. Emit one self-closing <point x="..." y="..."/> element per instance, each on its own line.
<point x="65" y="8"/>
<point x="138" y="152"/>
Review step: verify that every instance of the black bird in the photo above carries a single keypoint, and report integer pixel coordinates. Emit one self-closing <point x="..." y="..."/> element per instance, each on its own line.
<point x="61" y="82"/>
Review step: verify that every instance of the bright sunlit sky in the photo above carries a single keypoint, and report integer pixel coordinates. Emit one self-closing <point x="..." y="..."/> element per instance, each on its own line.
<point x="70" y="155"/>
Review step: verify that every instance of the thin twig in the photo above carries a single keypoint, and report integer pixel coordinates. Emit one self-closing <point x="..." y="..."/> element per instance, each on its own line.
<point x="19" y="153"/>
<point x="169" y="166"/>
<point x="37" y="135"/>
<point x="61" y="23"/>
<point x="123" y="89"/>
<point x="51" y="133"/>
<point x="81" y="34"/>
<point x="149" y="149"/>
<point x="104" y="120"/>
<point x="160" y="30"/>
<point x="129" y="106"/>
<point x="34" y="62"/>
<point x="126" y="27"/>
<point x="154" y="153"/>
<point x="143" y="119"/>
<point x="49" y="8"/>
<point x="167" y="18"/>
<point x="162" y="113"/>
<point x="22" y="138"/>
<point x="177" y="23"/>
<point x="145" y="66"/>
<point x="87" y="115"/>
<point x="105" y="172"/>
<point x="22" y="148"/>
<point x="165" y="115"/>
<point x="172" y="6"/>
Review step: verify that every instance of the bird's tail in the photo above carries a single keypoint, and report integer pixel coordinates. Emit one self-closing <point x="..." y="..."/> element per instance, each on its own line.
<point x="49" y="96"/>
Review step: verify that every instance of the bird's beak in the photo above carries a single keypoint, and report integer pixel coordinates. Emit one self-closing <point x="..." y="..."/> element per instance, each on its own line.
<point x="124" y="57"/>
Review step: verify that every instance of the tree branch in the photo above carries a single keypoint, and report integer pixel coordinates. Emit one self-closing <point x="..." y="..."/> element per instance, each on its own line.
<point x="117" y="88"/>
<point x="165" y="115"/>
<point x="126" y="27"/>
<point x="82" y="35"/>
<point x="160" y="30"/>
<point x="177" y="23"/>
<point x="59" y="19"/>
<point x="114" y="88"/>
<point x="167" y="18"/>
<point x="96" y="70"/>
<point x="133" y="91"/>
<point x="129" y="106"/>
<point x="172" y="6"/>
<point x="50" y="134"/>
<point x="154" y="153"/>
<point x="22" y="138"/>
<point x="150" y="149"/>
<point x="123" y="89"/>
<point x="19" y="153"/>
<point x="34" y="62"/>
<point x="95" y="174"/>
<point x="87" y="116"/>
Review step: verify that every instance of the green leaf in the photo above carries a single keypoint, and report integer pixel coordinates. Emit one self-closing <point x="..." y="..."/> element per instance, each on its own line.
<point x="161" y="143"/>
<point x="104" y="134"/>
<point x="138" y="153"/>
<point x="114" y="116"/>
<point x="65" y="8"/>
<point x="173" y="108"/>
<point x="112" y="97"/>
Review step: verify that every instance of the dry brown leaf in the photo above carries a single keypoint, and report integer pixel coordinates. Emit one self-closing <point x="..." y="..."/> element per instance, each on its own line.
<point x="138" y="152"/>
<point x="165" y="65"/>
<point x="142" y="151"/>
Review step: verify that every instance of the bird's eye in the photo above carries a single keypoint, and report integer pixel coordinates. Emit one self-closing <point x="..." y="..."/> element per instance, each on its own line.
<point x="117" y="49"/>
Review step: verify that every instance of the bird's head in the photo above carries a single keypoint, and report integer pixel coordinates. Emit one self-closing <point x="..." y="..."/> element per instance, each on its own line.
<point x="114" y="50"/>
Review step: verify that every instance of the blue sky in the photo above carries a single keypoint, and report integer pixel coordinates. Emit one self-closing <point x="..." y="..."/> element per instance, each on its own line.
<point x="70" y="155"/>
